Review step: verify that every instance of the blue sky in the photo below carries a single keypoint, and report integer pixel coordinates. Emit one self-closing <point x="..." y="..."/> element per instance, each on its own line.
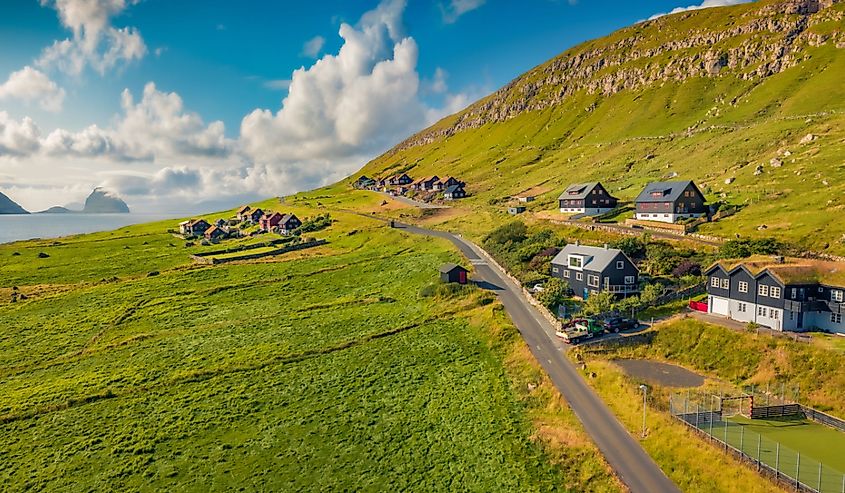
<point x="219" y="70"/>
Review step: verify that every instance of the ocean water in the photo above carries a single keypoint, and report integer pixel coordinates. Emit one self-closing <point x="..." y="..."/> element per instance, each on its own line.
<point x="14" y="227"/>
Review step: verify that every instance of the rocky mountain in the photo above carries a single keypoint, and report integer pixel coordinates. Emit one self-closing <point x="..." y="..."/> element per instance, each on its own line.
<point x="104" y="202"/>
<point x="8" y="206"/>
<point x="57" y="209"/>
<point x="747" y="100"/>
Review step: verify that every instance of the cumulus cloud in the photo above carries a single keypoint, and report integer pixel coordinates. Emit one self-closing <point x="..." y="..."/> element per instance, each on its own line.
<point x="706" y="4"/>
<point x="18" y="138"/>
<point x="94" y="42"/>
<point x="313" y="46"/>
<point x="456" y="8"/>
<point x="31" y="85"/>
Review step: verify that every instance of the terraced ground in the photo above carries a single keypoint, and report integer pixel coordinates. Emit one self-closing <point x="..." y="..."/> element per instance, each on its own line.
<point x="314" y="370"/>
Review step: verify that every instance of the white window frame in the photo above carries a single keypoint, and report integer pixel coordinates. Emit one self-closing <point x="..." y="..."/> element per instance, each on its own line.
<point x="761" y="311"/>
<point x="836" y="317"/>
<point x="774" y="291"/>
<point x="630" y="279"/>
<point x="743" y="286"/>
<point x="726" y="284"/>
<point x="714" y="282"/>
<point x="578" y="258"/>
<point x="794" y="293"/>
<point x="741" y="307"/>
<point x="836" y="295"/>
<point x="579" y="276"/>
<point x="821" y="289"/>
<point x="566" y="273"/>
<point x="763" y="290"/>
<point x="591" y="278"/>
<point x="620" y="264"/>
<point x="555" y="269"/>
<point x="774" y="314"/>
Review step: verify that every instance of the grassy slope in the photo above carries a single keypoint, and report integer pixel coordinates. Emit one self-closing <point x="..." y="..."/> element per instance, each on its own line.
<point x="327" y="372"/>
<point x="744" y="358"/>
<point x="636" y="136"/>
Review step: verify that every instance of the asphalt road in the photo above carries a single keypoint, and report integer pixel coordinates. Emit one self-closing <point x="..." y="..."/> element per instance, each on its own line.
<point x="631" y="463"/>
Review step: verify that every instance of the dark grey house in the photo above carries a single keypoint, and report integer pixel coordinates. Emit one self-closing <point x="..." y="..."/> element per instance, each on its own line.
<point x="590" y="269"/>
<point x="454" y="192"/>
<point x="453" y="273"/>
<point x="591" y="199"/>
<point x="669" y="201"/>
<point x="790" y="295"/>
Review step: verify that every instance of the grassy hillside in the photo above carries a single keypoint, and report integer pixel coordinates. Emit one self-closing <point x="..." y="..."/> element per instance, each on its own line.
<point x="646" y="103"/>
<point x="320" y="369"/>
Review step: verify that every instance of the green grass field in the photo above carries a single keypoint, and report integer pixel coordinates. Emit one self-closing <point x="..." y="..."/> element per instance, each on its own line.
<point x="317" y="370"/>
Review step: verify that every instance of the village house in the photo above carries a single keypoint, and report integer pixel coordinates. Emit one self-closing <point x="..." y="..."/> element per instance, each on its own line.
<point x="402" y="179"/>
<point x="194" y="227"/>
<point x="516" y="209"/>
<point x="254" y="216"/>
<point x="451" y="181"/>
<point x="215" y="233"/>
<point x="243" y="213"/>
<point x="591" y="199"/>
<point x="364" y="182"/>
<point x="288" y="224"/>
<point x="590" y="270"/>
<point x="454" y="192"/>
<point x="670" y="201"/>
<point x="782" y="294"/>
<point x="269" y="221"/>
<point x="453" y="273"/>
<point x="427" y="183"/>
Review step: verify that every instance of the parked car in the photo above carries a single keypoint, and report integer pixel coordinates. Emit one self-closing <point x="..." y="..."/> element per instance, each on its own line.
<point x="537" y="288"/>
<point x="616" y="324"/>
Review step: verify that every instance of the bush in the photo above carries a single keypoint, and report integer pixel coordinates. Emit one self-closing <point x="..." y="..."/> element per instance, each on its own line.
<point x="513" y="232"/>
<point x="687" y="268"/>
<point x="554" y="292"/>
<point x="599" y="303"/>
<point x="747" y="247"/>
<point x="631" y="246"/>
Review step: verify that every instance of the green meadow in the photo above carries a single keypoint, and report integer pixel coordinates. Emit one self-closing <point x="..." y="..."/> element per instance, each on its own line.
<point x="322" y="369"/>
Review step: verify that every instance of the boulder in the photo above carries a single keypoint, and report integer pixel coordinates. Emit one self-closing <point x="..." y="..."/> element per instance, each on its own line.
<point x="807" y="139"/>
<point x="776" y="163"/>
<point x="728" y="181"/>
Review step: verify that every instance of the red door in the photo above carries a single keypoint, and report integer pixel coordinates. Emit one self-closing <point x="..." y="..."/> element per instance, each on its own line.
<point x="462" y="277"/>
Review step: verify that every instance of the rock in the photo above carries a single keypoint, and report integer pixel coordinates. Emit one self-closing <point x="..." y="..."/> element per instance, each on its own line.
<point x="762" y="227"/>
<point x="758" y="170"/>
<point x="532" y="387"/>
<point x="673" y="174"/>
<point x="807" y="139"/>
<point x="153" y="273"/>
<point x="776" y="163"/>
<point x="43" y="255"/>
<point x="16" y="254"/>
<point x="786" y="153"/>
<point x="728" y="181"/>
<point x="825" y="183"/>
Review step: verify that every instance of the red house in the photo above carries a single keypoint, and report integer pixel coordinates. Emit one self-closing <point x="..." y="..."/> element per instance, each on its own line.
<point x="269" y="221"/>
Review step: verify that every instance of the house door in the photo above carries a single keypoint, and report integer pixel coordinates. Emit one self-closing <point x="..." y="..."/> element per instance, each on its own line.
<point x="586" y="294"/>
<point x="462" y="277"/>
<point x="800" y="320"/>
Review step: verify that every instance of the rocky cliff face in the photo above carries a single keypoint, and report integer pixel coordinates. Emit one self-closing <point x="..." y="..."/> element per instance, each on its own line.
<point x="103" y="202"/>
<point x="8" y="206"/>
<point x="748" y="42"/>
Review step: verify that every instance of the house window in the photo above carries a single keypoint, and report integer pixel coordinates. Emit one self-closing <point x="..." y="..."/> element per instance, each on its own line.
<point x="593" y="280"/>
<point x="566" y="274"/>
<point x="629" y="280"/>
<point x="774" y="314"/>
<point x="821" y="289"/>
<point x="555" y="269"/>
<point x="741" y="307"/>
<point x="579" y="276"/>
<point x="620" y="264"/>
<point x="794" y="293"/>
<point x="836" y="318"/>
<point x="775" y="292"/>
<point x="761" y="311"/>
<point x="836" y="295"/>
<point x="726" y="283"/>
<point x="743" y="286"/>
<point x="714" y="281"/>
<point x="575" y="262"/>
<point x="763" y="290"/>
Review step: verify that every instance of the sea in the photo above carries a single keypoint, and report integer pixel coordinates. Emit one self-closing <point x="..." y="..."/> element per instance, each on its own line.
<point x="15" y="227"/>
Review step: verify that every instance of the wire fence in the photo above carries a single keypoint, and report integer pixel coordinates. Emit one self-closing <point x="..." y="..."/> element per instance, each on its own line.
<point x="770" y="458"/>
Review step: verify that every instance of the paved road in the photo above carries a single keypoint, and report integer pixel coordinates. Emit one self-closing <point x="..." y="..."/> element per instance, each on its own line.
<point x="631" y="463"/>
<point x="415" y="203"/>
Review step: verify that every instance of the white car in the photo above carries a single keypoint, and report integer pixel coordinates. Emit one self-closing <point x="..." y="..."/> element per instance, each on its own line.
<point x="538" y="288"/>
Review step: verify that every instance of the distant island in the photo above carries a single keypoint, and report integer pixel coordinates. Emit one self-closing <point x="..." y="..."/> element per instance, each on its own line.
<point x="8" y="206"/>
<point x="99" y="202"/>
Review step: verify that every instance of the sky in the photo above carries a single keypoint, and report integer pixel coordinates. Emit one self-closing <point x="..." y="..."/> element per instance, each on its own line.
<point x="187" y="106"/>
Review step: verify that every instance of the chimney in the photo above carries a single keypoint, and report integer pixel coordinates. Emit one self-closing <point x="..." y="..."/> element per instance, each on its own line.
<point x="577" y="242"/>
<point x="605" y="246"/>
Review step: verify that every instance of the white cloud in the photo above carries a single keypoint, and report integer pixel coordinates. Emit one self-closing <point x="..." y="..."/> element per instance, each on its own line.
<point x="277" y="84"/>
<point x="18" y="138"/>
<point x="94" y="40"/>
<point x="706" y="4"/>
<point x="32" y="85"/>
<point x="313" y="46"/>
<point x="456" y="8"/>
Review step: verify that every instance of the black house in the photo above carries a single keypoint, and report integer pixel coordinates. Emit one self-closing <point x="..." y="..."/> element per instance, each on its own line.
<point x="591" y="199"/>
<point x="454" y="192"/>
<point x="590" y="270"/>
<point x="669" y="201"/>
<point x="453" y="273"/>
<point x="782" y="294"/>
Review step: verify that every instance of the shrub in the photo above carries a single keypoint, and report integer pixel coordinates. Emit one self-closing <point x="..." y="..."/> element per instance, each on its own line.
<point x="687" y="268"/>
<point x="631" y="246"/>
<point x="513" y="232"/>
<point x="554" y="292"/>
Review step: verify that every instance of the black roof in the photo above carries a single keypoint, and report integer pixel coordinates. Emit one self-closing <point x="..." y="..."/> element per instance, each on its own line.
<point x="453" y="189"/>
<point x="446" y="268"/>
<point x="669" y="191"/>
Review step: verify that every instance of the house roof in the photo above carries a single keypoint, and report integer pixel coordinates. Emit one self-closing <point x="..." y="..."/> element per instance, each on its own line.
<point x="446" y="268"/>
<point x="288" y="217"/>
<point x="598" y="257"/>
<point x="790" y="271"/>
<point x="244" y="209"/>
<point x="578" y="190"/>
<point x="210" y="231"/>
<point x="669" y="191"/>
<point x="271" y="215"/>
<point x="453" y="189"/>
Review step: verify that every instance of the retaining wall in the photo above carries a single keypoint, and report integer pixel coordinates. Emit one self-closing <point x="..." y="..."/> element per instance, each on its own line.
<point x="279" y="251"/>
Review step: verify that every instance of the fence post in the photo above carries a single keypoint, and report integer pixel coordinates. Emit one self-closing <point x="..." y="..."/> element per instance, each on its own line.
<point x="777" y="460"/>
<point x="741" y="440"/>
<point x="819" y="488"/>
<point x="726" y="434"/>
<point x="798" y="470"/>
<point x="711" y="419"/>
<point x="759" y="441"/>
<point x="697" y="412"/>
